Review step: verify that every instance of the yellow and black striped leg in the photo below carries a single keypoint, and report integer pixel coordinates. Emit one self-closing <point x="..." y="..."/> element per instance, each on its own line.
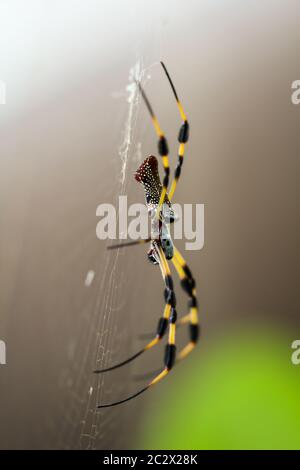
<point x="170" y="302"/>
<point x="163" y="149"/>
<point x="177" y="169"/>
<point x="170" y="352"/>
<point x="189" y="286"/>
<point x="183" y="136"/>
<point x="186" y="319"/>
<point x="171" y="320"/>
<point x="180" y="322"/>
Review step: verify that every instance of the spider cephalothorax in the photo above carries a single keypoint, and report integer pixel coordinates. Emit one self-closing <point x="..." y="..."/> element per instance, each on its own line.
<point x="158" y="201"/>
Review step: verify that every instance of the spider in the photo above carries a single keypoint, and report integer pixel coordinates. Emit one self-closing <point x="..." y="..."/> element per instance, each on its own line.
<point x="162" y="248"/>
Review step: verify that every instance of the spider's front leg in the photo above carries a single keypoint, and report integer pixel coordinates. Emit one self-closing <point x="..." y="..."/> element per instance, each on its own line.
<point x="183" y="135"/>
<point x="163" y="150"/>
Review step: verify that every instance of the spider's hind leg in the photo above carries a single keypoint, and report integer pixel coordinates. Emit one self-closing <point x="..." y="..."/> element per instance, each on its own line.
<point x="189" y="286"/>
<point x="170" y="351"/>
<point x="170" y="303"/>
<point x="191" y="319"/>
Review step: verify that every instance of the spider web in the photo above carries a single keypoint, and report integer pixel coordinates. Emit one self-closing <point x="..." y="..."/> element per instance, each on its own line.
<point x="100" y="335"/>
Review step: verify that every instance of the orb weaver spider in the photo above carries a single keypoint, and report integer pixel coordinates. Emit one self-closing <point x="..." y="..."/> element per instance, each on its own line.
<point x="162" y="249"/>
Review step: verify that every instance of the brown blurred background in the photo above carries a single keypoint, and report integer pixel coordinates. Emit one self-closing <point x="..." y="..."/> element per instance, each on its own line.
<point x="66" y="66"/>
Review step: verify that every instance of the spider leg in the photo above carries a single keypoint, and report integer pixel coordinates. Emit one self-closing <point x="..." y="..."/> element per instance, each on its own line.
<point x="163" y="148"/>
<point x="170" y="302"/>
<point x="180" y="322"/>
<point x="183" y="135"/>
<point x="170" y="351"/>
<point x="189" y="286"/>
<point x="131" y="243"/>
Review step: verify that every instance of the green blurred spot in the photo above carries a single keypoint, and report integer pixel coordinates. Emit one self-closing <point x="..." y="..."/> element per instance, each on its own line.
<point x="242" y="393"/>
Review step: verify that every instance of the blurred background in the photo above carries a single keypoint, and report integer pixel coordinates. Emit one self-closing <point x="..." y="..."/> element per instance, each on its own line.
<point x="72" y="133"/>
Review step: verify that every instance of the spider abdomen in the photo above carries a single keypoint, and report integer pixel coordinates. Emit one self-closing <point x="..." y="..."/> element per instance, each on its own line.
<point x="147" y="174"/>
